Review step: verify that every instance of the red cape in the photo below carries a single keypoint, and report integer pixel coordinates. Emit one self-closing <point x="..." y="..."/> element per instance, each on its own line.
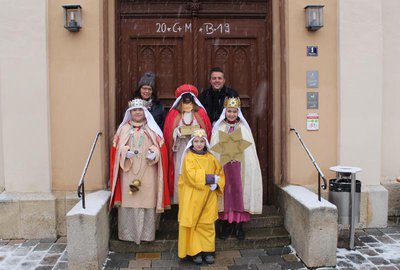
<point x="171" y="122"/>
<point x="117" y="198"/>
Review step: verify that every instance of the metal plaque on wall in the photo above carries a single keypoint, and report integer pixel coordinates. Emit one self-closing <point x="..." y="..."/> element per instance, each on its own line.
<point x="312" y="50"/>
<point x="312" y="100"/>
<point x="312" y="79"/>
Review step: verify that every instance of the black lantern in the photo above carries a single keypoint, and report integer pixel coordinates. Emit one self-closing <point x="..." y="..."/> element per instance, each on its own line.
<point x="72" y="17"/>
<point x="314" y="17"/>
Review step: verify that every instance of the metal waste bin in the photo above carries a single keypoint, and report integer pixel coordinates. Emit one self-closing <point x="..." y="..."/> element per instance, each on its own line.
<point x="340" y="195"/>
<point x="344" y="192"/>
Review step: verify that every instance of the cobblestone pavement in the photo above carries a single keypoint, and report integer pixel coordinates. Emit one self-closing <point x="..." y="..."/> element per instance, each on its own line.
<point x="43" y="254"/>
<point x="375" y="249"/>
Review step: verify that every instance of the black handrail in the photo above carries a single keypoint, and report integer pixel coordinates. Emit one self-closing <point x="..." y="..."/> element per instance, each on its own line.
<point x="81" y="185"/>
<point x="320" y="173"/>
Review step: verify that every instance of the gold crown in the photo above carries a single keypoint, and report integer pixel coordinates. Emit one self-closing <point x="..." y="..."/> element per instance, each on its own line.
<point x="199" y="133"/>
<point x="137" y="103"/>
<point x="233" y="102"/>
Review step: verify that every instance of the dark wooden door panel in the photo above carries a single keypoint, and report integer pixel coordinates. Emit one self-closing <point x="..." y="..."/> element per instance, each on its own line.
<point x="241" y="53"/>
<point x="147" y="45"/>
<point x="181" y="41"/>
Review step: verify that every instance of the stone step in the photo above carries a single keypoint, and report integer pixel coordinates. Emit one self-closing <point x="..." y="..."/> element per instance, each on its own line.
<point x="263" y="231"/>
<point x="256" y="221"/>
<point x="264" y="222"/>
<point x="268" y="210"/>
<point x="270" y="217"/>
<point x="167" y="241"/>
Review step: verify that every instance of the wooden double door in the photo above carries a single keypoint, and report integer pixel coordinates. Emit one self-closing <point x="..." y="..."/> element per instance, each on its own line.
<point x="180" y="41"/>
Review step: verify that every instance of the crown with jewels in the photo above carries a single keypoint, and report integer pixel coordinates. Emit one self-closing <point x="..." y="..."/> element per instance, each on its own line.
<point x="199" y="133"/>
<point x="137" y="103"/>
<point x="232" y="102"/>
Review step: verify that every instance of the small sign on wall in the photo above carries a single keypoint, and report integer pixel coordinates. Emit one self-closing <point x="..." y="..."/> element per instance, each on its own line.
<point x="312" y="121"/>
<point x="312" y="79"/>
<point x="312" y="100"/>
<point x="312" y="50"/>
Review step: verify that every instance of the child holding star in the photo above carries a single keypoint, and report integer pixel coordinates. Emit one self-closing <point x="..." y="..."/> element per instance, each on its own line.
<point x="243" y="188"/>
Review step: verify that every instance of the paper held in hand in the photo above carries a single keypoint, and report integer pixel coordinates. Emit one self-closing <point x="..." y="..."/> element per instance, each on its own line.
<point x="188" y="130"/>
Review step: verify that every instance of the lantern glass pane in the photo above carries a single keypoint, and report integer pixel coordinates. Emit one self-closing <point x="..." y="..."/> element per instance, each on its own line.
<point x="320" y="16"/>
<point x="314" y="17"/>
<point x="72" y="17"/>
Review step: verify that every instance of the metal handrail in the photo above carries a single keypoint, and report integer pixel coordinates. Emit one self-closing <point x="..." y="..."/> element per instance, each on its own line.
<point x="320" y="173"/>
<point x="81" y="185"/>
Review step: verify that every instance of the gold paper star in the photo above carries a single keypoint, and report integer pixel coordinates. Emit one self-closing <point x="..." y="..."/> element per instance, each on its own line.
<point x="231" y="146"/>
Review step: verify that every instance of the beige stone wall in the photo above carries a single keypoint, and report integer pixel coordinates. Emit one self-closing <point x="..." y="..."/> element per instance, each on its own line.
<point x="390" y="104"/>
<point x="25" y="160"/>
<point x="2" y="180"/>
<point x="110" y="94"/>
<point x="321" y="143"/>
<point x="391" y="93"/>
<point x="77" y="77"/>
<point x="361" y="81"/>
<point x="361" y="88"/>
<point x="27" y="215"/>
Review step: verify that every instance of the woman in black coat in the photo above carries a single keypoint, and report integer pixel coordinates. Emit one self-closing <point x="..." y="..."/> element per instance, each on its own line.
<point x="146" y="90"/>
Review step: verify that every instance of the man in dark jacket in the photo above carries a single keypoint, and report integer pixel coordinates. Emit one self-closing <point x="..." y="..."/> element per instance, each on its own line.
<point x="213" y="97"/>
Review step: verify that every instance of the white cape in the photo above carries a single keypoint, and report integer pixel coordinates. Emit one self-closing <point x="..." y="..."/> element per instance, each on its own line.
<point x="251" y="171"/>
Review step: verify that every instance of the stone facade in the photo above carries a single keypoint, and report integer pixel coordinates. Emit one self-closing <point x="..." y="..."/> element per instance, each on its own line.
<point x="88" y="232"/>
<point x="312" y="225"/>
<point x="27" y="215"/>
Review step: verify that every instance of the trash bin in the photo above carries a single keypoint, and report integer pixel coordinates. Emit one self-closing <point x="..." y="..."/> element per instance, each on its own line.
<point x="340" y="195"/>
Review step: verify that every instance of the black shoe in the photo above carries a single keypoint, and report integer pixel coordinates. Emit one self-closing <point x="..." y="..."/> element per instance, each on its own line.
<point x="209" y="258"/>
<point x="239" y="233"/>
<point x="219" y="228"/>
<point x="198" y="259"/>
<point x="227" y="229"/>
<point x="224" y="230"/>
<point x="232" y="229"/>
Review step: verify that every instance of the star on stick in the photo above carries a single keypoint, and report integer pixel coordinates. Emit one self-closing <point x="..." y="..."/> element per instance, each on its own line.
<point x="231" y="146"/>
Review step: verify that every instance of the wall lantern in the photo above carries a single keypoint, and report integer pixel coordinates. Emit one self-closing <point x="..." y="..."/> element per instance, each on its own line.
<point x="314" y="17"/>
<point x="72" y="17"/>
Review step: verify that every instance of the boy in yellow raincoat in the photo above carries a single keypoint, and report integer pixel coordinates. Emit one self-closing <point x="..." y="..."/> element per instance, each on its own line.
<point x="201" y="181"/>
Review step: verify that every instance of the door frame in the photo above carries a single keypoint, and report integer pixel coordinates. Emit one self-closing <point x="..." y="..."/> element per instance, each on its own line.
<point x="268" y="192"/>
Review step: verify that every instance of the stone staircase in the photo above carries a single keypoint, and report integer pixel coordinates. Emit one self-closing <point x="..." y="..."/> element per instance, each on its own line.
<point x="263" y="231"/>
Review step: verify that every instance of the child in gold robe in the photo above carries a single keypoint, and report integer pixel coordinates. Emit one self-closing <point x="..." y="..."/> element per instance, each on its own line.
<point x="201" y="181"/>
